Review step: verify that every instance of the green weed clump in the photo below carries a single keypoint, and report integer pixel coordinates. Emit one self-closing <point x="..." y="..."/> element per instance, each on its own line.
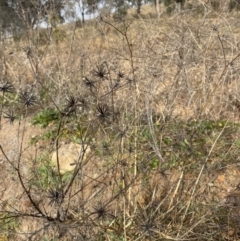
<point x="46" y="117"/>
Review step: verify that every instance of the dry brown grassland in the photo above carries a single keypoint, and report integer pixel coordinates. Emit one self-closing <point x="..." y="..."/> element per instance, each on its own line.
<point x="156" y="99"/>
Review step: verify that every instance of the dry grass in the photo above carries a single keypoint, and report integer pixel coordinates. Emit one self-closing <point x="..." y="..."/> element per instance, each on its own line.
<point x="157" y="99"/>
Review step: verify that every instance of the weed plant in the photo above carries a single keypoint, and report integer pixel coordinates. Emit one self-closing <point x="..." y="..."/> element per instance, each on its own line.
<point x="157" y="102"/>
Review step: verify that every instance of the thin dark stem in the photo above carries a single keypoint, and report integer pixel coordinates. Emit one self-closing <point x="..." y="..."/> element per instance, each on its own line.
<point x="1" y="110"/>
<point x="79" y="162"/>
<point x="224" y="56"/>
<point x="57" y="145"/>
<point x="112" y="92"/>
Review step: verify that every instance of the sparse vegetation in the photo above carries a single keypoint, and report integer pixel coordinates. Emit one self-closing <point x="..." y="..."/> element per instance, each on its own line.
<point x="156" y="101"/>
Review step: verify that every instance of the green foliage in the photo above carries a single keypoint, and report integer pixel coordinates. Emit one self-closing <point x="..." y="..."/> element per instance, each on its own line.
<point x="121" y="12"/>
<point x="67" y="177"/>
<point x="154" y="164"/>
<point x="45" y="176"/>
<point x="7" y="223"/>
<point x="17" y="37"/>
<point x="59" y="35"/>
<point x="50" y="134"/>
<point x="19" y="15"/>
<point x="237" y="143"/>
<point x="45" y="117"/>
<point x="182" y="143"/>
<point x="130" y="149"/>
<point x="9" y="99"/>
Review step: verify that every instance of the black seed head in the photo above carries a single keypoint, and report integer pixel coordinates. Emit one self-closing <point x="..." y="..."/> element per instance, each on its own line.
<point x="101" y="211"/>
<point x="103" y="111"/>
<point x="71" y="105"/>
<point x="147" y="228"/>
<point x="27" y="98"/>
<point x="5" y="87"/>
<point x="10" y="116"/>
<point x="100" y="72"/>
<point x="89" y="83"/>
<point x="56" y="196"/>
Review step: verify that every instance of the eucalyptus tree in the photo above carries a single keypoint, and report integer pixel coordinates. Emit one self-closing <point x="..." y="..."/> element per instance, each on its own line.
<point x="21" y="14"/>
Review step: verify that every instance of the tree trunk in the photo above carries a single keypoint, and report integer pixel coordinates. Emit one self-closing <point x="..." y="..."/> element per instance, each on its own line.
<point x="83" y="16"/>
<point x="139" y="4"/>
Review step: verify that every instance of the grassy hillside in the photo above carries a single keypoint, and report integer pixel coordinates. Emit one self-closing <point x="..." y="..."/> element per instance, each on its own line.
<point x="155" y="99"/>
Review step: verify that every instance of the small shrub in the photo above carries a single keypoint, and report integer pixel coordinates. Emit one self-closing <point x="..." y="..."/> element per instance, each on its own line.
<point x="7" y="225"/>
<point x="45" y="117"/>
<point x="59" y="35"/>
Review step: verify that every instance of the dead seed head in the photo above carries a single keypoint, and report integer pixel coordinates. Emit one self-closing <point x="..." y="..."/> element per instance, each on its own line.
<point x="89" y="83"/>
<point x="27" y="98"/>
<point x="6" y="86"/>
<point x="147" y="228"/>
<point x="55" y="196"/>
<point x="101" y="211"/>
<point x="100" y="72"/>
<point x="103" y="111"/>
<point x="10" y="116"/>
<point x="71" y="106"/>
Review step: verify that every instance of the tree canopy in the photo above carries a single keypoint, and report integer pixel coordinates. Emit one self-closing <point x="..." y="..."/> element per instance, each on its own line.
<point x="20" y="14"/>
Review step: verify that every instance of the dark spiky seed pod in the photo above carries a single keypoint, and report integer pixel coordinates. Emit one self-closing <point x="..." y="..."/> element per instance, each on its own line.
<point x="27" y="98"/>
<point x="10" y="116"/>
<point x="103" y="111"/>
<point x="101" y="211"/>
<point x="6" y="86"/>
<point x="147" y="228"/>
<point x="89" y="83"/>
<point x="100" y="72"/>
<point x="55" y="195"/>
<point x="71" y="105"/>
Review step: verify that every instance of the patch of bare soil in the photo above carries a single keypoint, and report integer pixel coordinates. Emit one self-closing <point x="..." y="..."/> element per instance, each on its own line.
<point x="15" y="144"/>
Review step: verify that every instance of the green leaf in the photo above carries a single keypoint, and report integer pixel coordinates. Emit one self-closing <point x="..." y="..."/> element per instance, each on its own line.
<point x="237" y="142"/>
